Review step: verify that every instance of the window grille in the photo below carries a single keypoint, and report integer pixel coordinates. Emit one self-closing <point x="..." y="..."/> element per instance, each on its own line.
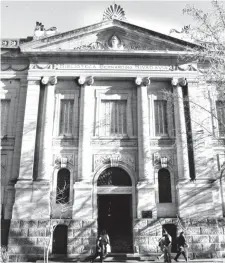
<point x="114" y="118"/>
<point x="66" y="117"/>
<point x="63" y="186"/>
<point x="161" y="126"/>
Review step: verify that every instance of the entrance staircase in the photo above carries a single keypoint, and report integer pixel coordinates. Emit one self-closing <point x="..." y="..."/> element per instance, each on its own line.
<point x="131" y="258"/>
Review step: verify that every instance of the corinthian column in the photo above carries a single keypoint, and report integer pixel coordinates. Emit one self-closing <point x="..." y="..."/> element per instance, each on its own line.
<point x="144" y="156"/>
<point x="85" y="128"/>
<point x="181" y="134"/>
<point x="45" y="157"/>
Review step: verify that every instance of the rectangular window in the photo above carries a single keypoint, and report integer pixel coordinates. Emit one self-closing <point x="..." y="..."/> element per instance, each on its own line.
<point x="114" y="117"/>
<point x="161" y="127"/>
<point x="220" y="108"/>
<point x="5" y="104"/>
<point x="66" y="117"/>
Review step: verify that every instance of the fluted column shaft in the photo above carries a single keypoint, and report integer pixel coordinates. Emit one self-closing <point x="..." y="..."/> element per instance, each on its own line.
<point x="45" y="157"/>
<point x="29" y="129"/>
<point x="144" y="156"/>
<point x="85" y="128"/>
<point x="181" y="133"/>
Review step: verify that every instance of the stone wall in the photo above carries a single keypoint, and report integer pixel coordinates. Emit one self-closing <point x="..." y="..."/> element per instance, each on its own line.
<point x="27" y="239"/>
<point x="146" y="235"/>
<point x="206" y="238"/>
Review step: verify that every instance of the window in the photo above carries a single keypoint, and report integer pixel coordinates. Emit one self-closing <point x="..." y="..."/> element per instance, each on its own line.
<point x="114" y="117"/>
<point x="164" y="186"/>
<point x="161" y="127"/>
<point x="63" y="186"/>
<point x="220" y="107"/>
<point x="5" y="104"/>
<point x="66" y="117"/>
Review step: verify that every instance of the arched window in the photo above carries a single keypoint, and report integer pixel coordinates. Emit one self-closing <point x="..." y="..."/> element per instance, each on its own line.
<point x="63" y="186"/>
<point x="164" y="186"/>
<point x="114" y="176"/>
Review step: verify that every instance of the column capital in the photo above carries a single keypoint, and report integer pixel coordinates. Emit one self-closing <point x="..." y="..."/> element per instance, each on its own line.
<point x="86" y="80"/>
<point x="45" y="80"/>
<point x="142" y="81"/>
<point x="49" y="80"/>
<point x="179" y="81"/>
<point x="174" y="81"/>
<point x="53" y="80"/>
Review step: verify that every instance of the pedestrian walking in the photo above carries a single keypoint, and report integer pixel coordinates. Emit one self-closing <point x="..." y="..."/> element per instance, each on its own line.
<point x="98" y="251"/>
<point x="181" y="245"/>
<point x="101" y="246"/>
<point x="165" y="246"/>
<point x="161" y="245"/>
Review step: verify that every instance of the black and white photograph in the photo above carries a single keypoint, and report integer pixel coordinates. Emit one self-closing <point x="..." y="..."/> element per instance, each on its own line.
<point x="112" y="131"/>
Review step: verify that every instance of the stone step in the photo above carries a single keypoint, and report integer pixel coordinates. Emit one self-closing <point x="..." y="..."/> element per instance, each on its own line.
<point x="147" y="260"/>
<point x="133" y="259"/>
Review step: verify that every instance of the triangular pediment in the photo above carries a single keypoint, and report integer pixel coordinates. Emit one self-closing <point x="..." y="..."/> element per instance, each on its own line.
<point x="114" y="35"/>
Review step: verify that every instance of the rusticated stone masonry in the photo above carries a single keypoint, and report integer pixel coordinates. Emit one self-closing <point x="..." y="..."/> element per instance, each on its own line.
<point x="206" y="239"/>
<point x="27" y="239"/>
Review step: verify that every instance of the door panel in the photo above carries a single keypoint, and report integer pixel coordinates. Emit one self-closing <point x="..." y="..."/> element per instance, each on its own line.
<point x="115" y="215"/>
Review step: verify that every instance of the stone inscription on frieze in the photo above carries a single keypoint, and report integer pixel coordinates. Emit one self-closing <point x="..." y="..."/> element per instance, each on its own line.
<point x="101" y="66"/>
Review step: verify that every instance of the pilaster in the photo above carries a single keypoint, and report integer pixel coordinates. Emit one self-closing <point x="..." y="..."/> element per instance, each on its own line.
<point x="22" y="207"/>
<point x="182" y="147"/>
<point x="19" y="127"/>
<point x="29" y="129"/>
<point x="145" y="188"/>
<point x="82" y="205"/>
<point x="85" y="128"/>
<point x="144" y="156"/>
<point x="181" y="133"/>
<point x="45" y="157"/>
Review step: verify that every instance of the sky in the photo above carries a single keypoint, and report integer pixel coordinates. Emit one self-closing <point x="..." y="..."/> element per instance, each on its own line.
<point x="18" y="18"/>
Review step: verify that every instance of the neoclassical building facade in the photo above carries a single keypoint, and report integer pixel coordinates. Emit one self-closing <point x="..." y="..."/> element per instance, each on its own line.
<point x="108" y="122"/>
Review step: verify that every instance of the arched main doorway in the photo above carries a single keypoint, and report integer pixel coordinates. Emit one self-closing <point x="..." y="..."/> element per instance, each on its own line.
<point x="115" y="208"/>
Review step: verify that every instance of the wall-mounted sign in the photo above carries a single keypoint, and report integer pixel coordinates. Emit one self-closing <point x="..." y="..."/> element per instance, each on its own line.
<point x="147" y="214"/>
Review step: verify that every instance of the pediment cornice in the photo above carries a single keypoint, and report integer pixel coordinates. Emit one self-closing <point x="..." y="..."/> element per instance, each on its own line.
<point x="100" y="37"/>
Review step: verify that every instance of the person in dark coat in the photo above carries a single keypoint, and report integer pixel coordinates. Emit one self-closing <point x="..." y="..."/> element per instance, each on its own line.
<point x="181" y="244"/>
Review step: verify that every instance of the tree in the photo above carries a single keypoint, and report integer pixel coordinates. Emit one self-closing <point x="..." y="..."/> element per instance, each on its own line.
<point x="208" y="33"/>
<point x="205" y="110"/>
<point x="60" y="201"/>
